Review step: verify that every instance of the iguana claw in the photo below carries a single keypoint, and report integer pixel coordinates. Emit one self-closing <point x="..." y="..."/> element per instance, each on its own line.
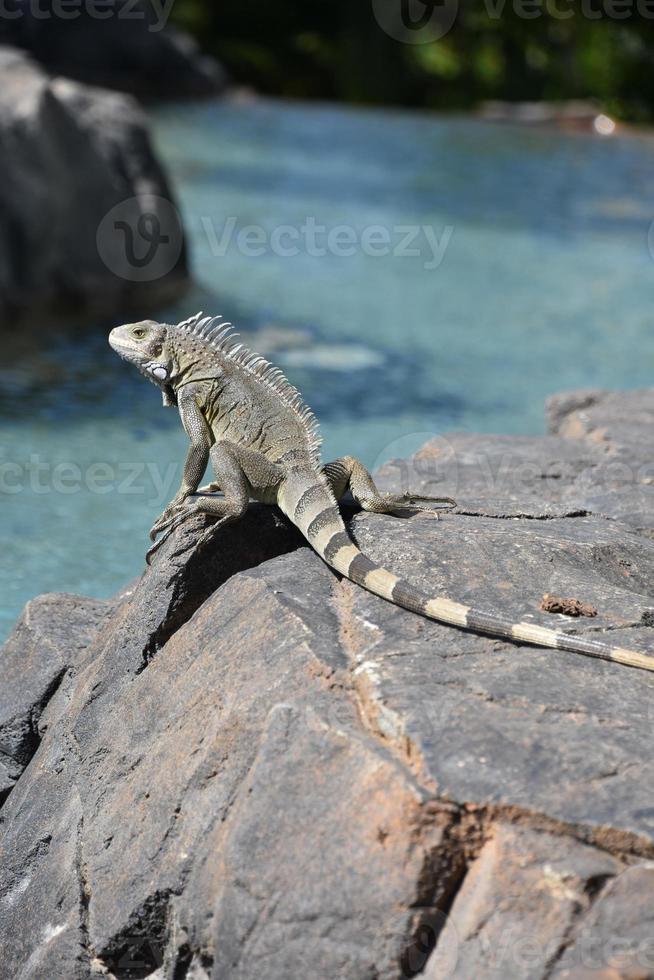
<point x="172" y="520"/>
<point x="168" y="527"/>
<point x="177" y="506"/>
<point x="177" y="522"/>
<point x="162" y="522"/>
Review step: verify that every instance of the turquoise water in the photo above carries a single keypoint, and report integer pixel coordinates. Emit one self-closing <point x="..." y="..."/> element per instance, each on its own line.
<point x="537" y="277"/>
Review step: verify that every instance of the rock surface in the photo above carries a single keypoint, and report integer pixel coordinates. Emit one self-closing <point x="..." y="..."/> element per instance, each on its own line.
<point x="244" y="767"/>
<point x="113" y="43"/>
<point x="80" y="188"/>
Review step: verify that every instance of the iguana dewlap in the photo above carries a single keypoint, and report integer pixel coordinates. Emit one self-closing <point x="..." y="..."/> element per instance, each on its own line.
<point x="241" y="414"/>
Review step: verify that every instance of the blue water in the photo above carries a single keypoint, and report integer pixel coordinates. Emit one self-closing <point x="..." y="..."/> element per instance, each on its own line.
<point x="544" y="281"/>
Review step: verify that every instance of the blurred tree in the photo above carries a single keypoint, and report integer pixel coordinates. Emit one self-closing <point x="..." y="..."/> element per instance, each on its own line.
<point x="496" y="49"/>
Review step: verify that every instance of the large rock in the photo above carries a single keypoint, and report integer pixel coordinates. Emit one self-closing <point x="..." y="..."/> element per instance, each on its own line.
<point x="52" y="632"/>
<point x="255" y="769"/>
<point x="113" y="43"/>
<point x="87" y="220"/>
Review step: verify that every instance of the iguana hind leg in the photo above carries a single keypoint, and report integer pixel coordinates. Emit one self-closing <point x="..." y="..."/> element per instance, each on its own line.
<point x="348" y="473"/>
<point x="240" y="474"/>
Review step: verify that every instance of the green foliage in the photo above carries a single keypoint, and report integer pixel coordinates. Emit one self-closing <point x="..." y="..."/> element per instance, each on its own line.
<point x="496" y="49"/>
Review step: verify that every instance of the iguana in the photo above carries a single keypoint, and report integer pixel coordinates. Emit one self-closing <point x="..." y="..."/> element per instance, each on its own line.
<point x="241" y="414"/>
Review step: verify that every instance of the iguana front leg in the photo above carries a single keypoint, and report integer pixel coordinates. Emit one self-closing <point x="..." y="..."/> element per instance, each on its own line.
<point x="197" y="456"/>
<point x="348" y="473"/>
<point x="241" y="473"/>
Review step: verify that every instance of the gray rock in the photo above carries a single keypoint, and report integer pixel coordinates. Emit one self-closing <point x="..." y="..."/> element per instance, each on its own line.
<point x="51" y="635"/>
<point x="621" y="428"/>
<point x="598" y="459"/>
<point x="81" y="194"/>
<point x="546" y="884"/>
<point x="616" y="939"/>
<point x="114" y="44"/>
<point x="255" y="769"/>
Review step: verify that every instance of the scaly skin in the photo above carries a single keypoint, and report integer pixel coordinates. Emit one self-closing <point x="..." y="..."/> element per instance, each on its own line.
<point x="242" y="415"/>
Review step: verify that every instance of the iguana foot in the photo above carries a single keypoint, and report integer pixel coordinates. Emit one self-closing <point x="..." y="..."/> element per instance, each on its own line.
<point x="348" y="473"/>
<point x="166" y="526"/>
<point x="177" y="506"/>
<point x="391" y="503"/>
<point x="204" y="538"/>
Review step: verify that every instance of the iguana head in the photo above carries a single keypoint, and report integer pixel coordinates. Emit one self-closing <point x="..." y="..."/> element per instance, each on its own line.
<point x="144" y="345"/>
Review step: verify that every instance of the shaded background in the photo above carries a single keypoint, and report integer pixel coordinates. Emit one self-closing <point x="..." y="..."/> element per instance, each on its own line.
<point x="495" y="49"/>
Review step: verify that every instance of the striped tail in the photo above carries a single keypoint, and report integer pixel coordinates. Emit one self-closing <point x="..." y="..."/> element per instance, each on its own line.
<point x="313" y="510"/>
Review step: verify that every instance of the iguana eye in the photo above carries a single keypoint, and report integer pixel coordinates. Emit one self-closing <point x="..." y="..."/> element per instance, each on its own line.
<point x="139" y="333"/>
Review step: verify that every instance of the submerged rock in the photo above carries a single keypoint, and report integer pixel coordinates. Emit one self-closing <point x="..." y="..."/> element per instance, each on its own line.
<point x="88" y="223"/>
<point x="248" y="767"/>
<point x="117" y="44"/>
